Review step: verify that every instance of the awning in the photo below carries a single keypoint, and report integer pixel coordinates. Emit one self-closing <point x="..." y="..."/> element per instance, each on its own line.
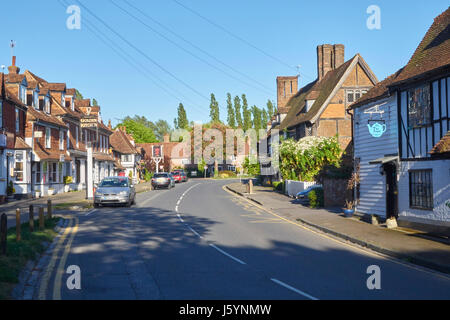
<point x="384" y="160"/>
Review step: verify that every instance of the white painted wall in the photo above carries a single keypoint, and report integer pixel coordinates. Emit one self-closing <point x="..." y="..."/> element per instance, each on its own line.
<point x="440" y="215"/>
<point x="368" y="148"/>
<point x="294" y="187"/>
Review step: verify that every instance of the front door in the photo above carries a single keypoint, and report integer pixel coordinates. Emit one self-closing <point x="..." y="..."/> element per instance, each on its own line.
<point x="390" y="170"/>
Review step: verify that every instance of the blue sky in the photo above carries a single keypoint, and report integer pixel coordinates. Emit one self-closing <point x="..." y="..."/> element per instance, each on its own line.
<point x="287" y="30"/>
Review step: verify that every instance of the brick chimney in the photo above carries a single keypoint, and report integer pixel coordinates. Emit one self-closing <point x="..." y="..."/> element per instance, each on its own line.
<point x="13" y="69"/>
<point x="166" y="138"/>
<point x="287" y="87"/>
<point x="329" y="57"/>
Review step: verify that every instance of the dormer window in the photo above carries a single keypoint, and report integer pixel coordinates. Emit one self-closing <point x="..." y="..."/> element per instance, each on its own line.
<point x="35" y="100"/>
<point x="47" y="104"/>
<point x="23" y="94"/>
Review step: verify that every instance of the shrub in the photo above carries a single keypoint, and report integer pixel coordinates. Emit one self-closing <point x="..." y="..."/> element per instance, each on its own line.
<point x="316" y="198"/>
<point x="67" y="179"/>
<point x="148" y="175"/>
<point x="304" y="159"/>
<point x="278" y="185"/>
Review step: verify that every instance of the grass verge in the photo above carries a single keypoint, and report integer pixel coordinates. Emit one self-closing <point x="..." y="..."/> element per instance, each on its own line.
<point x="18" y="253"/>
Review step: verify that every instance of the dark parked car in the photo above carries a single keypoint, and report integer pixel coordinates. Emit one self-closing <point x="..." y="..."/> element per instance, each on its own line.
<point x="163" y="179"/>
<point x="303" y="195"/>
<point x="115" y="190"/>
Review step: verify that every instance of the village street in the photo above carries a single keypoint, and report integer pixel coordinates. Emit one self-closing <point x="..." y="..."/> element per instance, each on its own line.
<point x="199" y="241"/>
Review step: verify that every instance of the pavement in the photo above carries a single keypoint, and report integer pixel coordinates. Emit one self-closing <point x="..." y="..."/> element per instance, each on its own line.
<point x="76" y="198"/>
<point x="407" y="246"/>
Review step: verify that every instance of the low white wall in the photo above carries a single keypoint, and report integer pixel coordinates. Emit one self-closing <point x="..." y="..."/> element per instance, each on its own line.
<point x="294" y="187"/>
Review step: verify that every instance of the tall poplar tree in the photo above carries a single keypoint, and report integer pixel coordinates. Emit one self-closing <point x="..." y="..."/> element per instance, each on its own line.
<point x="231" y="119"/>
<point x="237" y="111"/>
<point x="214" y="109"/>
<point x="246" y="114"/>
<point x="182" y="121"/>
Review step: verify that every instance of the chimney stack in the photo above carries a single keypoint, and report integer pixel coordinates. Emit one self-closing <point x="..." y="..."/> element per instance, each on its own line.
<point x="166" y="138"/>
<point x="329" y="57"/>
<point x="13" y="69"/>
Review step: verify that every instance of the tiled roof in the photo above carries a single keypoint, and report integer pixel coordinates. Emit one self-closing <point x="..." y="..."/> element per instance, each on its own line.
<point x="55" y="86"/>
<point x="433" y="52"/>
<point x="320" y="91"/>
<point x="71" y="91"/>
<point x="103" y="157"/>
<point x="34" y="114"/>
<point x="121" y="143"/>
<point x="443" y="146"/>
<point x="14" y="78"/>
<point x="20" y="144"/>
<point x="49" y="154"/>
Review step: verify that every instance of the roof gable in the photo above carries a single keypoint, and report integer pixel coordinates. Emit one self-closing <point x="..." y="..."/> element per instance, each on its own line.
<point x="322" y="92"/>
<point x="432" y="54"/>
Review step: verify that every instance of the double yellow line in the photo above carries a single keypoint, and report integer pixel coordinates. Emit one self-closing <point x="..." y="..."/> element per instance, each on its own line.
<point x="70" y="232"/>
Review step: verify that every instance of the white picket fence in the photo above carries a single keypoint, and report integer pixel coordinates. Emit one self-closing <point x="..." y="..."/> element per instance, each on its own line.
<point x="294" y="187"/>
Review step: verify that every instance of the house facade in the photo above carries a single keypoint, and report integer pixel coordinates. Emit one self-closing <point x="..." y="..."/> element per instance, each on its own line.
<point x="44" y="138"/>
<point x="402" y="138"/>
<point x="15" y="153"/>
<point x="127" y="157"/>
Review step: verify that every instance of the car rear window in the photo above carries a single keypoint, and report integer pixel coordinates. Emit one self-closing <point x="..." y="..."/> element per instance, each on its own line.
<point x="114" y="182"/>
<point x="160" y="175"/>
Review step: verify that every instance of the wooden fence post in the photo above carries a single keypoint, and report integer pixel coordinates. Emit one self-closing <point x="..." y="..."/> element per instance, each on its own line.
<point x="31" y="218"/>
<point x="3" y="231"/>
<point x="41" y="218"/>
<point x="18" y="226"/>
<point x="49" y="209"/>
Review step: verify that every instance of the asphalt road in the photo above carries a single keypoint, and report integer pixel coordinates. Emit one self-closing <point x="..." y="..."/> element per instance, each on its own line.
<point x="198" y="241"/>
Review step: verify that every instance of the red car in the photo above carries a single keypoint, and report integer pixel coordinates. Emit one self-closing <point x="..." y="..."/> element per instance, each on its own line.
<point x="177" y="176"/>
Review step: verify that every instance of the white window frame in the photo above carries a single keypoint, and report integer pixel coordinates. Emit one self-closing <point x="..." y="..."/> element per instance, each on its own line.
<point x="17" y="120"/>
<point x="63" y="99"/>
<point x="61" y="139"/>
<point x="35" y="99"/>
<point x="76" y="136"/>
<point x="47" y="105"/>
<point x="23" y="94"/>
<point x="22" y="153"/>
<point x="48" y="138"/>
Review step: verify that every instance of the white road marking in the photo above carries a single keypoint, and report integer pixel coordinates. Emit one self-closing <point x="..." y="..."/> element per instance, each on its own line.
<point x="227" y="254"/>
<point x="195" y="232"/>
<point x="92" y="211"/>
<point x="179" y="217"/>
<point x="176" y="208"/>
<point x="293" y="289"/>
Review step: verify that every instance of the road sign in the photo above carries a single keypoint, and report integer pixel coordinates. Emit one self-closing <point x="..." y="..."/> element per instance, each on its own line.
<point x="89" y="122"/>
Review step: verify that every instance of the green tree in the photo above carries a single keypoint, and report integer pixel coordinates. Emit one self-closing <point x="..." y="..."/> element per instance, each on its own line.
<point x="257" y="118"/>
<point x="78" y="95"/>
<point x="231" y="118"/>
<point x="264" y="118"/>
<point x="214" y="109"/>
<point x="94" y="102"/>
<point x="246" y="114"/>
<point x="139" y="132"/>
<point x="182" y="121"/>
<point x="237" y="111"/>
<point x="270" y="108"/>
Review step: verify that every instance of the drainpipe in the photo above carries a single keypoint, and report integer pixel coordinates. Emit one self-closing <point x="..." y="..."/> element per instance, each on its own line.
<point x="353" y="147"/>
